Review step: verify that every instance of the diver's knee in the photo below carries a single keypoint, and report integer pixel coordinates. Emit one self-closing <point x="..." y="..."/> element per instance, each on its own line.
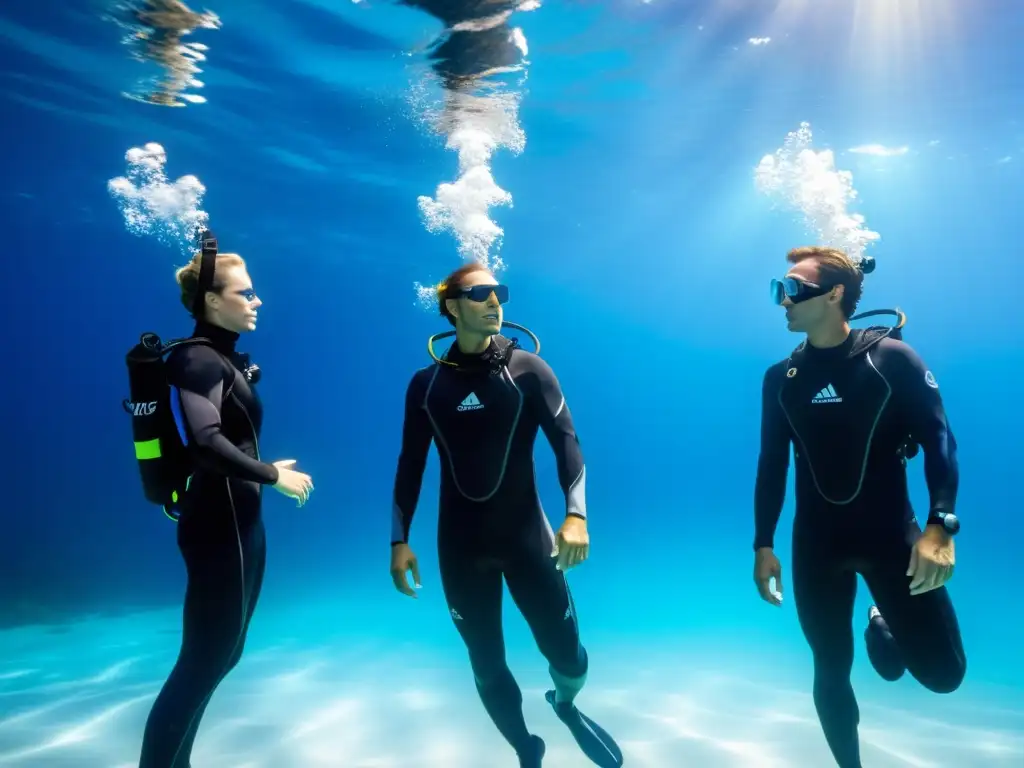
<point x="947" y="678"/>
<point x="216" y="656"/>
<point x="831" y="673"/>
<point x="831" y="665"/>
<point x="234" y="658"/>
<point x="488" y="670"/>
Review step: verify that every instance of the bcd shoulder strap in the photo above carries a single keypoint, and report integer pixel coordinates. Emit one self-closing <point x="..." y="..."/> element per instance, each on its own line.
<point x="169" y="347"/>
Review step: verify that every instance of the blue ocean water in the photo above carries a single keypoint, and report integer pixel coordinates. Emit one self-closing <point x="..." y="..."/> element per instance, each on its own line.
<point x="636" y="175"/>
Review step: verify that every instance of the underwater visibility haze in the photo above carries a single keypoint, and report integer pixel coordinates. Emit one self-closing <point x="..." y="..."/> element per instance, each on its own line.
<point x="634" y="172"/>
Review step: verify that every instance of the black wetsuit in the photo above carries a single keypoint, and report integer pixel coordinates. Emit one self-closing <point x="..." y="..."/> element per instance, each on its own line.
<point x="849" y="412"/>
<point x="490" y="522"/>
<point x="220" y="534"/>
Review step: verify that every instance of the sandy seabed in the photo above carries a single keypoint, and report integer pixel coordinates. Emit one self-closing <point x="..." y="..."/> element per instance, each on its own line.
<point x="80" y="696"/>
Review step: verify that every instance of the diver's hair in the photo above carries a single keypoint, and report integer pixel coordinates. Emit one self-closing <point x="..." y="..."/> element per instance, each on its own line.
<point x="451" y="285"/>
<point x="188" y="276"/>
<point x="836" y="268"/>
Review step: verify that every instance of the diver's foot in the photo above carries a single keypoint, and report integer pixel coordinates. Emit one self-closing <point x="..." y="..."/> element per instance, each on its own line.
<point x="592" y="738"/>
<point x="531" y="757"/>
<point x="883" y="651"/>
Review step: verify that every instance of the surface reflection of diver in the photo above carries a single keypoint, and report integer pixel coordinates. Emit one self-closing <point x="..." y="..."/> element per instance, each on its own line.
<point x="478" y="42"/>
<point x="157" y="31"/>
<point x="467" y="56"/>
<point x="172" y="16"/>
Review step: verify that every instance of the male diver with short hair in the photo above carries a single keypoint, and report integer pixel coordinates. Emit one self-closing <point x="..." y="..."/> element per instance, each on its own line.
<point x="220" y="525"/>
<point x="855" y="405"/>
<point x="483" y="403"/>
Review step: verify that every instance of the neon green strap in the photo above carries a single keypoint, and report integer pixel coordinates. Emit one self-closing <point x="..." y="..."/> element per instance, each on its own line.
<point x="147" y="449"/>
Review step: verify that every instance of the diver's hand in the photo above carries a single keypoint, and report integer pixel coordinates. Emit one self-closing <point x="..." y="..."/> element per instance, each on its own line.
<point x="294" y="485"/>
<point x="572" y="544"/>
<point x="766" y="568"/>
<point x="931" y="560"/>
<point x="402" y="560"/>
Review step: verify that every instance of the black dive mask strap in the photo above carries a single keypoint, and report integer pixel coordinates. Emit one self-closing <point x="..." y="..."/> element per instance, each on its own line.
<point x="207" y="265"/>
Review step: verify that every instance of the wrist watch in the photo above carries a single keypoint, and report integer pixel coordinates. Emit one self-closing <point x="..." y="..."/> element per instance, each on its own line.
<point x="949" y="522"/>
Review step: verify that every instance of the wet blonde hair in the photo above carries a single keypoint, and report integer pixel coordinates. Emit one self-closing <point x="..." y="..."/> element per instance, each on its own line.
<point x="188" y="276"/>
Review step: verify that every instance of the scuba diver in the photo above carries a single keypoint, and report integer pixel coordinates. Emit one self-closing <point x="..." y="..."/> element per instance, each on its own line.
<point x="856" y="405"/>
<point x="196" y="420"/>
<point x="483" y="403"/>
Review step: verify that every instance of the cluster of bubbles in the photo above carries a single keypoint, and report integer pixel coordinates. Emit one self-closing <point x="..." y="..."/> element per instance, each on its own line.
<point x="153" y="205"/>
<point x="475" y="125"/>
<point x="807" y="182"/>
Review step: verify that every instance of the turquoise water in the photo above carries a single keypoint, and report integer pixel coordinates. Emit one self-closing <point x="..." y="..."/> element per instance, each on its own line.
<point x="636" y="178"/>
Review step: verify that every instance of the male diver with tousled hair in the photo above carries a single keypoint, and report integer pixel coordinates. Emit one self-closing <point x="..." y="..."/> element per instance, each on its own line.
<point x="483" y="403"/>
<point x="220" y="525"/>
<point x="856" y="405"/>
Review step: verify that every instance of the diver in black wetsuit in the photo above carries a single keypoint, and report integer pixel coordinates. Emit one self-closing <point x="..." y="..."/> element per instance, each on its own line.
<point x="483" y="403"/>
<point x="220" y="528"/>
<point x="855" y="405"/>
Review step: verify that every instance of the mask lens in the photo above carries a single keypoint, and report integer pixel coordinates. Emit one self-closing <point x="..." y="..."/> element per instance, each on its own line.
<point x="795" y="290"/>
<point x="483" y="292"/>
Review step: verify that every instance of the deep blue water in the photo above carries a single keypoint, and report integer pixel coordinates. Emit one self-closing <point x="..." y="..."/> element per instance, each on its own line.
<point x="612" y="177"/>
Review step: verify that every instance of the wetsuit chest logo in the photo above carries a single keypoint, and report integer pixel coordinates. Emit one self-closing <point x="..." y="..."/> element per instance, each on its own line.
<point x="474" y="421"/>
<point x="470" y="403"/>
<point x="834" y="415"/>
<point x="826" y="395"/>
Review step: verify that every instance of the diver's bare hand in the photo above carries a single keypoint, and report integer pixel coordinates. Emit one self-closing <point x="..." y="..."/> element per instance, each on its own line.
<point x="932" y="560"/>
<point x="766" y="568"/>
<point x="572" y="543"/>
<point x="403" y="560"/>
<point x="294" y="485"/>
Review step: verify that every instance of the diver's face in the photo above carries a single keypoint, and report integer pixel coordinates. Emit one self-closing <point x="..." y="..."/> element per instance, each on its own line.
<point x="807" y="315"/>
<point x="236" y="304"/>
<point x="480" y="312"/>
